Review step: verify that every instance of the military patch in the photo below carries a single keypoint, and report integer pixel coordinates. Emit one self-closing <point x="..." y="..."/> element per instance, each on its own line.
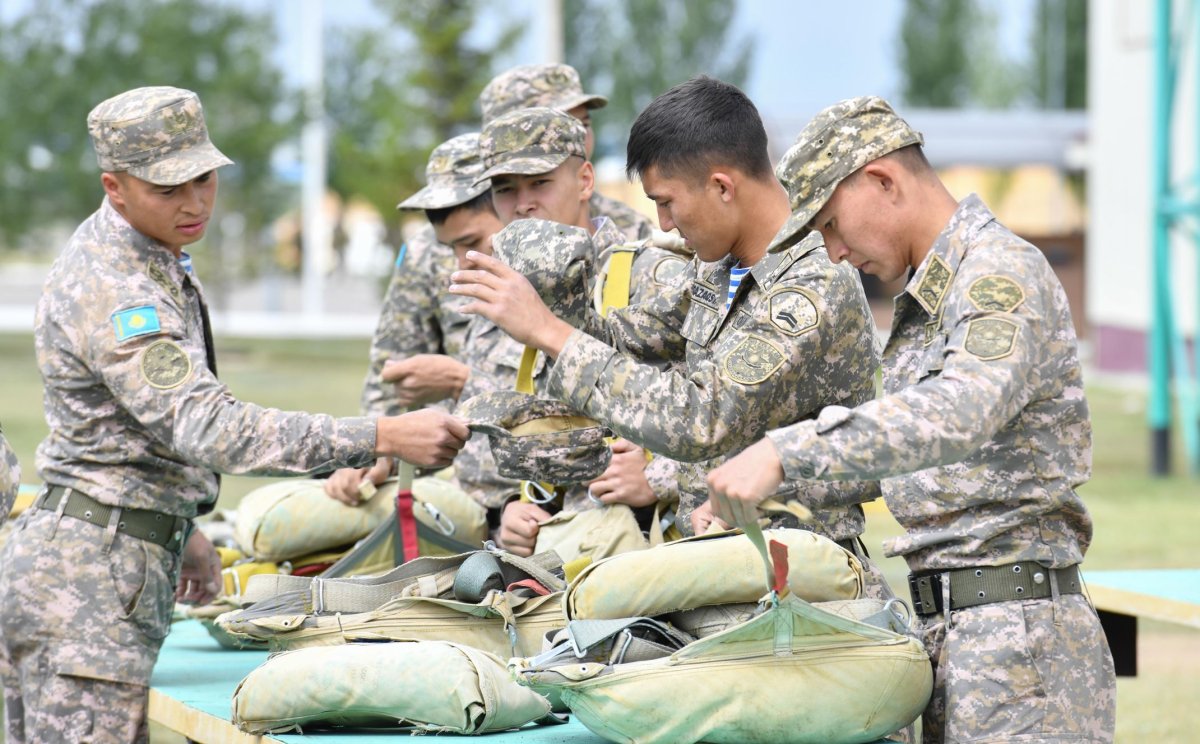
<point x="792" y="311"/>
<point x="165" y="365"/>
<point x="933" y="284"/>
<point x="135" y="321"/>
<point x="161" y="279"/>
<point x="667" y="270"/>
<point x="990" y="338"/>
<point x="705" y="294"/>
<point x="932" y="329"/>
<point x="994" y="293"/>
<point x="752" y="361"/>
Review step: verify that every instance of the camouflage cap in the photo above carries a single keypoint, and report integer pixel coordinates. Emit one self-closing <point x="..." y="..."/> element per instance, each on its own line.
<point x="451" y="176"/>
<point x="557" y="260"/>
<point x="552" y="85"/>
<point x="539" y="440"/>
<point x="530" y="141"/>
<point x="156" y="134"/>
<point x="838" y="141"/>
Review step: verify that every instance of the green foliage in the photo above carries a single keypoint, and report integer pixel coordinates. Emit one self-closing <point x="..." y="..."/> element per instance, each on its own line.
<point x="392" y="100"/>
<point x="633" y="50"/>
<point x="1060" y="49"/>
<point x="950" y="57"/>
<point x="62" y="57"/>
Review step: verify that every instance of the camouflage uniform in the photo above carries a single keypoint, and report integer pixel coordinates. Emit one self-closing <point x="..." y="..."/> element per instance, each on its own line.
<point x="691" y="381"/>
<point x="10" y="478"/>
<point x="494" y="357"/>
<point x="557" y="86"/>
<point x="419" y="315"/>
<point x="981" y="439"/>
<point x="139" y="420"/>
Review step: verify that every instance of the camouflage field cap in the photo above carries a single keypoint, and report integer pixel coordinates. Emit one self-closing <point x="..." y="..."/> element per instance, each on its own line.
<point x="451" y="175"/>
<point x="838" y="141"/>
<point x="552" y="85"/>
<point x="156" y="134"/>
<point x="530" y="141"/>
<point x="557" y="260"/>
<point x="537" y="439"/>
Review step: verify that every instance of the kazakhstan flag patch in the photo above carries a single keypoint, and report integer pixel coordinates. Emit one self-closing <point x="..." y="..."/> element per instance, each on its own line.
<point x="136" y="321"/>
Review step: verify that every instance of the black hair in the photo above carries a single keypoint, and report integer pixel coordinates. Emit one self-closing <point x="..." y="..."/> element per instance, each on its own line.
<point x="476" y="204"/>
<point x="695" y="126"/>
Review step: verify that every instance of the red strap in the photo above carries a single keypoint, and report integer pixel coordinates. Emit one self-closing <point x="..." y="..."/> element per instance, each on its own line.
<point x="779" y="558"/>
<point x="406" y="524"/>
<point x="311" y="569"/>
<point x="529" y="584"/>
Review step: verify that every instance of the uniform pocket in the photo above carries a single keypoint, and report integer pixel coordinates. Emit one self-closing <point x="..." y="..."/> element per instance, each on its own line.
<point x="141" y="580"/>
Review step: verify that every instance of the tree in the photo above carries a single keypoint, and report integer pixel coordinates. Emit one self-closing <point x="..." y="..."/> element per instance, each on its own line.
<point x="634" y="50"/>
<point x="1060" y="50"/>
<point x="950" y="58"/>
<point x="64" y="56"/>
<point x="393" y="97"/>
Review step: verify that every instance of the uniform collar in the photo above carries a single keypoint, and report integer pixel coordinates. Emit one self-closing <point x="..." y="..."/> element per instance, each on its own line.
<point x="128" y="250"/>
<point x="607" y="234"/>
<point x="931" y="281"/>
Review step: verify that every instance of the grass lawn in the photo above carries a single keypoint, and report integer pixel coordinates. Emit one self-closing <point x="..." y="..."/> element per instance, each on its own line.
<point x="1141" y="522"/>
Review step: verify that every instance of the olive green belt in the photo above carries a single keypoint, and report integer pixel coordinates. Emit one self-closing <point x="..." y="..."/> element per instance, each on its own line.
<point x="161" y="529"/>
<point x="971" y="587"/>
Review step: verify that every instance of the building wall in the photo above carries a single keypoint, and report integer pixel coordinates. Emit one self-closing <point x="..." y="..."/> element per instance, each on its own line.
<point x="1120" y="189"/>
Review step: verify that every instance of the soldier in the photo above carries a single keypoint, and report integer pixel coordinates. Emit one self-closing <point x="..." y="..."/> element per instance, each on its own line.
<point x="138" y="425"/>
<point x="557" y="86"/>
<point x="10" y="478"/>
<point x="418" y="350"/>
<point x="758" y="339"/>
<point x="982" y="436"/>
<point x="536" y="159"/>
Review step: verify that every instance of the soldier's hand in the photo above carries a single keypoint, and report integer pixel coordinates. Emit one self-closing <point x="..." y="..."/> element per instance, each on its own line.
<point x="427" y="438"/>
<point x="519" y="527"/>
<point x="745" y="481"/>
<point x="426" y="378"/>
<point x="703" y="519"/>
<point x="624" y="481"/>
<point x="200" y="571"/>
<point x="345" y="483"/>
<point x="505" y="297"/>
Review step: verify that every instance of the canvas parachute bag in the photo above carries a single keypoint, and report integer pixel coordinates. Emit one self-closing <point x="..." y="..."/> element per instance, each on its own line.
<point x="838" y="670"/>
<point x="424" y="687"/>
<point x="488" y="599"/>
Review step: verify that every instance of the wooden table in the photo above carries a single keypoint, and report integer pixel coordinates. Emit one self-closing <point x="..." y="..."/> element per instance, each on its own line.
<point x="1121" y="597"/>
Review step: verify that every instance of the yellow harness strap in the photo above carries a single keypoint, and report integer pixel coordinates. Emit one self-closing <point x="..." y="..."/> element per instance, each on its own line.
<point x="616" y="284"/>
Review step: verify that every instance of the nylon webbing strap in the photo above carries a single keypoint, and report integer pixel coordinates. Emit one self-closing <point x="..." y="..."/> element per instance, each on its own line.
<point x="407" y="547"/>
<point x="525" y="371"/>
<point x="971" y="587"/>
<point x="616" y="283"/>
<point x="161" y="529"/>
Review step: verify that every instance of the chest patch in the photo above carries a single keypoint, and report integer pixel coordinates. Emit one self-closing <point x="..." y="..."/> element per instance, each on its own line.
<point x="990" y="338"/>
<point x="705" y="294"/>
<point x="752" y="361"/>
<point x="793" y="312"/>
<point x="165" y="365"/>
<point x="159" y="277"/>
<point x="995" y="294"/>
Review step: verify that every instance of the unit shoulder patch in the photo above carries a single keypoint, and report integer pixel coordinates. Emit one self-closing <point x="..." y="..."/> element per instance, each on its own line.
<point x="135" y="321"/>
<point x="667" y="270"/>
<point x="752" y="361"/>
<point x="933" y="284"/>
<point x="995" y="293"/>
<point x="793" y="311"/>
<point x="165" y="365"/>
<point x="990" y="338"/>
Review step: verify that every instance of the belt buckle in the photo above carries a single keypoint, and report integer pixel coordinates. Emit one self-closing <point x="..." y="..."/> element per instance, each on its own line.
<point x="924" y="593"/>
